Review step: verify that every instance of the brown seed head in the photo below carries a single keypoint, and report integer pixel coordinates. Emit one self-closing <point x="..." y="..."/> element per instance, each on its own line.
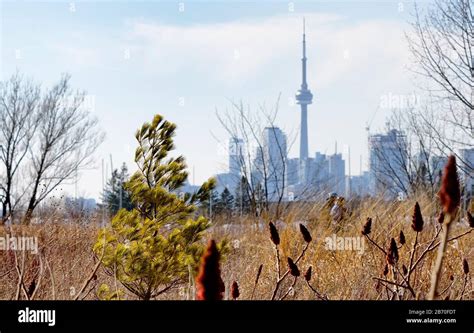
<point x="234" y="290"/>
<point x="259" y="273"/>
<point x="404" y="270"/>
<point x="293" y="268"/>
<point x="417" y="219"/>
<point x="401" y="238"/>
<point x="306" y="235"/>
<point x="465" y="267"/>
<point x="367" y="227"/>
<point x="307" y="275"/>
<point x="274" y="236"/>
<point x="441" y="218"/>
<point x="470" y="219"/>
<point x="209" y="282"/>
<point x="392" y="253"/>
<point x="450" y="193"/>
<point x="377" y="286"/>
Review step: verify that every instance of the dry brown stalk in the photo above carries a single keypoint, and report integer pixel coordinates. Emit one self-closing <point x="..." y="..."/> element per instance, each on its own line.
<point x="280" y="280"/>
<point x="449" y="196"/>
<point x="259" y="272"/>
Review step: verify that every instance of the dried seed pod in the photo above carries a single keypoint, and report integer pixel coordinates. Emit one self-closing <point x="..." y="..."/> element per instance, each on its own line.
<point x="306" y="235"/>
<point x="259" y="272"/>
<point x="465" y="267"/>
<point x="307" y="275"/>
<point x="293" y="268"/>
<point x="367" y="227"/>
<point x="401" y="238"/>
<point x="392" y="253"/>
<point x="470" y="219"/>
<point x="450" y="193"/>
<point x="404" y="270"/>
<point x="377" y="286"/>
<point x="441" y="218"/>
<point x="274" y="236"/>
<point x="234" y="290"/>
<point x="209" y="282"/>
<point x="417" y="219"/>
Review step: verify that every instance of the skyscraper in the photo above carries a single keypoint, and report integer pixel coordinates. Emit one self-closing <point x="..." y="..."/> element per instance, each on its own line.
<point x="303" y="98"/>
<point x="388" y="162"/>
<point x="467" y="170"/>
<point x="236" y="160"/>
<point x="275" y="159"/>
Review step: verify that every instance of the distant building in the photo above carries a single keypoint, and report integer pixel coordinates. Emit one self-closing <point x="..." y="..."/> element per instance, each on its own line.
<point x="275" y="156"/>
<point x="437" y="164"/>
<point x="236" y="155"/>
<point x="292" y="171"/>
<point x="388" y="163"/>
<point x="187" y="188"/>
<point x="301" y="178"/>
<point x="226" y="180"/>
<point x="337" y="167"/>
<point x="304" y="97"/>
<point x="84" y="205"/>
<point x="231" y="179"/>
<point x="358" y="185"/>
<point x="320" y="176"/>
<point x="467" y="173"/>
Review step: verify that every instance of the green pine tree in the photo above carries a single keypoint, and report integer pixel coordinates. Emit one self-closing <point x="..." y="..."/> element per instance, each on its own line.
<point x="211" y="206"/>
<point x="115" y="195"/>
<point x="151" y="248"/>
<point x="227" y="202"/>
<point x="242" y="201"/>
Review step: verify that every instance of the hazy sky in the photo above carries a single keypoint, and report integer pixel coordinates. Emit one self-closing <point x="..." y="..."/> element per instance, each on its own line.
<point x="136" y="59"/>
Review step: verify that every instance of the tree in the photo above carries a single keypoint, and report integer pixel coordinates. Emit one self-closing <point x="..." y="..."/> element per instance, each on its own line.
<point x="227" y="200"/>
<point x="441" y="44"/>
<point x="242" y="197"/>
<point x="115" y="195"/>
<point x="225" y="203"/>
<point x="405" y="159"/>
<point x="66" y="138"/>
<point x="45" y="138"/>
<point x="262" y="159"/>
<point x="210" y="205"/>
<point x="155" y="246"/>
<point x="19" y="99"/>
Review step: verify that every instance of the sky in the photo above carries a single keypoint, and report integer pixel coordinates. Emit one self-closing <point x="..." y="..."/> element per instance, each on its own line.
<point x="185" y="60"/>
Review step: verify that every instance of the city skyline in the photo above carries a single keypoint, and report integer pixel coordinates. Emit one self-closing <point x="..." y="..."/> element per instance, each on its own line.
<point x="131" y="53"/>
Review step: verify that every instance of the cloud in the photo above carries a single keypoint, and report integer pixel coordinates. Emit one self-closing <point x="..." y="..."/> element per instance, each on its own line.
<point x="237" y="51"/>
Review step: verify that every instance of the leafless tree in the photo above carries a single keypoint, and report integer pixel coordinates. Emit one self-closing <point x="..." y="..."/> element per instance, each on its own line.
<point x="441" y="44"/>
<point x="19" y="99"/>
<point x="65" y="140"/>
<point x="264" y="177"/>
<point x="407" y="160"/>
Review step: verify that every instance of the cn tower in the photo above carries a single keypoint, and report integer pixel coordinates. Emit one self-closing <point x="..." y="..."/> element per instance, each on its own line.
<point x="303" y="98"/>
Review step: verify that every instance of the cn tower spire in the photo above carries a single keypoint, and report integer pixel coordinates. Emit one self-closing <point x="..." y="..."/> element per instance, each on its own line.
<point x="303" y="98"/>
<point x="304" y="84"/>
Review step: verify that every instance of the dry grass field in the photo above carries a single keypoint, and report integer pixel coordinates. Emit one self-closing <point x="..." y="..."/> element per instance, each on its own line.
<point x="64" y="268"/>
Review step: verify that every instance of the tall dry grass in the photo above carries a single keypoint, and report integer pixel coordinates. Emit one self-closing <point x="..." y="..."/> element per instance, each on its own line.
<point x="67" y="262"/>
